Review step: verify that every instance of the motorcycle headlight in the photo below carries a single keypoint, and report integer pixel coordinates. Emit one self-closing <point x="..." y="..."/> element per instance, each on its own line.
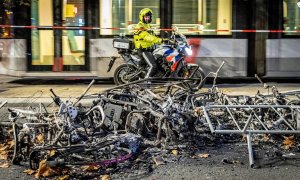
<point x="188" y="51"/>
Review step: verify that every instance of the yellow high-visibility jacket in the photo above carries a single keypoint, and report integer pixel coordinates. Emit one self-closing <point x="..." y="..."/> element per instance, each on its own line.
<point x="144" y="37"/>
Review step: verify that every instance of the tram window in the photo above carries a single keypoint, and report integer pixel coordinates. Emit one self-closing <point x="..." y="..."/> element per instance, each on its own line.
<point x="125" y="14"/>
<point x="291" y="16"/>
<point x="42" y="41"/>
<point x="194" y="17"/>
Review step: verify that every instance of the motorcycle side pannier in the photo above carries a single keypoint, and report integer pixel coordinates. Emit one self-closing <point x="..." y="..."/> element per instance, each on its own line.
<point x="122" y="43"/>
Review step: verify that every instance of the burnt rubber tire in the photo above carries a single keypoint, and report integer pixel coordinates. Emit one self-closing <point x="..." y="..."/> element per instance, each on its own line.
<point x="34" y="159"/>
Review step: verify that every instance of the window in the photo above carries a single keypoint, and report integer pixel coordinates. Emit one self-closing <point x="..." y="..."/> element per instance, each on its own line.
<point x="42" y="41"/>
<point x="203" y="16"/>
<point x="73" y="41"/>
<point x="6" y="18"/>
<point x="291" y="16"/>
<point x="125" y="14"/>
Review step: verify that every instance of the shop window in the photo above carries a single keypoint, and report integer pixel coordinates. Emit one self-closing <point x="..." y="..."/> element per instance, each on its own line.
<point x="194" y="17"/>
<point x="125" y="14"/>
<point x="291" y="16"/>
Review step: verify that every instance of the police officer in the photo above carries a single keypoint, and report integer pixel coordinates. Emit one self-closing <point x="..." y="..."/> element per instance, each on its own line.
<point x="145" y="39"/>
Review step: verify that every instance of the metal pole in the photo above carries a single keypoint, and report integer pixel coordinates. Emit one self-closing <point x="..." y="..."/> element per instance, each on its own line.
<point x="2" y="104"/>
<point x="208" y="120"/>
<point x="247" y="123"/>
<point x="250" y="150"/>
<point x="81" y="96"/>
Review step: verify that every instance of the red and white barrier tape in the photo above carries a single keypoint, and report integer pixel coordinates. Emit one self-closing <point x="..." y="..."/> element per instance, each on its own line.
<point x="162" y="29"/>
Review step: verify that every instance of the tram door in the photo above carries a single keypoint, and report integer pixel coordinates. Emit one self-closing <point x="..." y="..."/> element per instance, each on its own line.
<point x="57" y="49"/>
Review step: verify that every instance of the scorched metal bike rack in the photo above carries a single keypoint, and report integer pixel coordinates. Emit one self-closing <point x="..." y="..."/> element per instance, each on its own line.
<point x="252" y="119"/>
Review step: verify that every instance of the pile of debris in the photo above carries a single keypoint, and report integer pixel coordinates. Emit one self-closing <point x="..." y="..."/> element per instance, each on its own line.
<point x="130" y="126"/>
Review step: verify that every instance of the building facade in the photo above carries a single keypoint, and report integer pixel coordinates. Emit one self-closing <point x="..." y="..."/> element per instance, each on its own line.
<point x="73" y="38"/>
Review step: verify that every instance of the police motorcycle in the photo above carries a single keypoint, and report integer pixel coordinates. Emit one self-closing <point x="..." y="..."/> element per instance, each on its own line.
<point x="169" y="58"/>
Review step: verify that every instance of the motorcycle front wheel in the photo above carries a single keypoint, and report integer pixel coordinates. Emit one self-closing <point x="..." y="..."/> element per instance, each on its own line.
<point x="125" y="73"/>
<point x="199" y="75"/>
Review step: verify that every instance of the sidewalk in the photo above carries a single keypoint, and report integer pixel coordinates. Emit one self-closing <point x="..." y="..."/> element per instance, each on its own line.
<point x="16" y="90"/>
<point x="41" y="93"/>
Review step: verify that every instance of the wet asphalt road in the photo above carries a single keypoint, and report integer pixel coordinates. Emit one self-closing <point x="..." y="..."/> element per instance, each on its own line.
<point x="226" y="161"/>
<point x="217" y="166"/>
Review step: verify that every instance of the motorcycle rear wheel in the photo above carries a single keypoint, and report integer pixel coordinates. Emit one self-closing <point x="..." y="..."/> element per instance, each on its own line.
<point x="124" y="74"/>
